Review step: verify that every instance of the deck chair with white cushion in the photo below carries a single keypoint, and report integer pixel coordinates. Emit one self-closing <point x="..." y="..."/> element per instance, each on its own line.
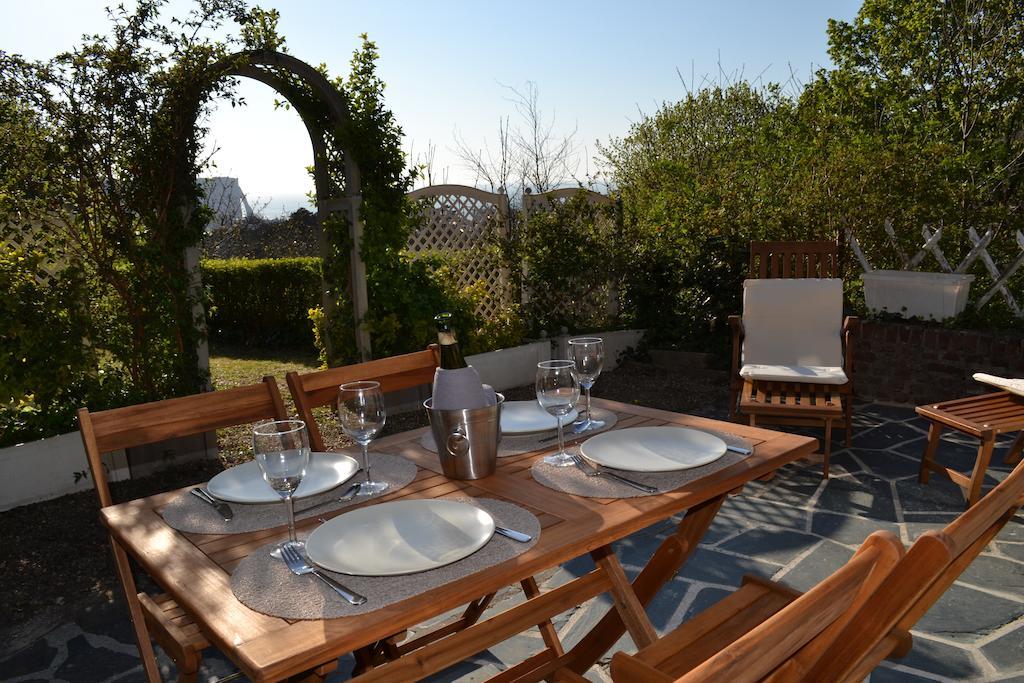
<point x="792" y="353"/>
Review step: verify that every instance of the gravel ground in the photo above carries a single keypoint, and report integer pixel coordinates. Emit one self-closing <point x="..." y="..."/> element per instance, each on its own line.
<point x="35" y="576"/>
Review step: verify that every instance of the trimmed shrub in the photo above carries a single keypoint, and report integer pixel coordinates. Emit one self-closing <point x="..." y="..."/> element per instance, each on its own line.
<point x="262" y="302"/>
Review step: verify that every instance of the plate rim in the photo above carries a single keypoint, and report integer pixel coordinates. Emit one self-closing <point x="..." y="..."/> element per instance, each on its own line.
<point x="277" y="499"/>
<point x="370" y="509"/>
<point x="542" y="429"/>
<point x="608" y="434"/>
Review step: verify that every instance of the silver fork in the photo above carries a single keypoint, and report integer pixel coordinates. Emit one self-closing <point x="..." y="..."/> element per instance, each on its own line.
<point x="300" y="566"/>
<point x="594" y="471"/>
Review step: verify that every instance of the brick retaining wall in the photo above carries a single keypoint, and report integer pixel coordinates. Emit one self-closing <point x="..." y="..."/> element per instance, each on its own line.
<point x="913" y="364"/>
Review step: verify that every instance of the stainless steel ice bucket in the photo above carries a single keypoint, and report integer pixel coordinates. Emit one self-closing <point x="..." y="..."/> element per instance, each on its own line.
<point x="467" y="440"/>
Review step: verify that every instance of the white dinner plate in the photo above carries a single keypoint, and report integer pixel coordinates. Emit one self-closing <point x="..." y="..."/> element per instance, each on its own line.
<point x="653" y="449"/>
<point x="524" y="417"/>
<point x="400" y="537"/>
<point x="245" y="483"/>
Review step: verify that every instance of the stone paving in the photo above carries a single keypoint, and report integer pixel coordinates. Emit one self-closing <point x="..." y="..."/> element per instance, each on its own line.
<point x="797" y="528"/>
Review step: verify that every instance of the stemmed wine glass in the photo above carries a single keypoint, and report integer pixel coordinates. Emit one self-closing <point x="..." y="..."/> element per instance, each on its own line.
<point x="282" y="452"/>
<point x="362" y="415"/>
<point x="588" y="354"/>
<point x="558" y="389"/>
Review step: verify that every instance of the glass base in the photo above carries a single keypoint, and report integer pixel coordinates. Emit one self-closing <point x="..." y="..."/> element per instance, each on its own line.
<point x="368" y="488"/>
<point x="562" y="459"/>
<point x="586" y="425"/>
<point x="298" y="545"/>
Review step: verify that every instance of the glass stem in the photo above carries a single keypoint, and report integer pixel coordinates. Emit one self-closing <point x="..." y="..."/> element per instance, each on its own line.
<point x="290" y="507"/>
<point x="561" y="440"/>
<point x="587" y="421"/>
<point x="366" y="461"/>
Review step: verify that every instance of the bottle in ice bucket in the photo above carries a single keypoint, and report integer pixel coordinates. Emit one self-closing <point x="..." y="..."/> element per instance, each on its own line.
<point x="457" y="385"/>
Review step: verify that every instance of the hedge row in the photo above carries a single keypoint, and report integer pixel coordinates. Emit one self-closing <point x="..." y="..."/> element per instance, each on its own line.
<point x="261" y="302"/>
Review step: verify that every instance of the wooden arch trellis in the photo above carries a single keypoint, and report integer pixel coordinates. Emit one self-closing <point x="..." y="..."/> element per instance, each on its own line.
<point x="325" y="112"/>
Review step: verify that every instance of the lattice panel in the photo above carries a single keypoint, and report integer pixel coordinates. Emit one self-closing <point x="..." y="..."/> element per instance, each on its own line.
<point x="465" y="223"/>
<point x="22" y="239"/>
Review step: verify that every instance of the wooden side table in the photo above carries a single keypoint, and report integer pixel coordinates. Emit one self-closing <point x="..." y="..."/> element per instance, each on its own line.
<point x="793" y="404"/>
<point x="984" y="417"/>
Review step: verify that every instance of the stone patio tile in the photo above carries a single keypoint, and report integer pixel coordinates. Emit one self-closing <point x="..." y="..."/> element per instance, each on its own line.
<point x="818" y="565"/>
<point x="848" y="530"/>
<point x="940" y="658"/>
<point x="711" y="566"/>
<point x="707" y="597"/>
<point x="772" y="545"/>
<point x="887" y="464"/>
<point x="36" y="657"/>
<point x="844" y="459"/>
<point x="1007" y="651"/>
<point x="1014" y="550"/>
<point x="663" y="610"/>
<point x="86" y="663"/>
<point x="794" y="487"/>
<point x="996" y="573"/>
<point x="938" y="494"/>
<point x="885" y="436"/>
<point x="864" y="495"/>
<point x="917" y="524"/>
<point x="967" y="615"/>
<point x="886" y="412"/>
<point x="723" y="527"/>
<point x="886" y="674"/>
<point x="758" y="512"/>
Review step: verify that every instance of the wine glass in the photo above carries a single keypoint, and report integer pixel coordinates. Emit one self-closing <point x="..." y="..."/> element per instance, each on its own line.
<point x="588" y="354"/>
<point x="558" y="389"/>
<point x="362" y="415"/>
<point x="282" y="453"/>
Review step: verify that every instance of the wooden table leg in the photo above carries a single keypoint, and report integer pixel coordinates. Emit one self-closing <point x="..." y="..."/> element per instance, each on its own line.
<point x="630" y="610"/>
<point x="1014" y="454"/>
<point x="828" y="447"/>
<point x="548" y="632"/>
<point x="131" y="596"/>
<point x="934" y="433"/>
<point x="980" y="467"/>
<point x="663" y="565"/>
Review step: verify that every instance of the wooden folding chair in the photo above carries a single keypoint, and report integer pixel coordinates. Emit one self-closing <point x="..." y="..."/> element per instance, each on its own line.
<point x="917" y="582"/>
<point x="110" y="430"/>
<point x="320" y="388"/>
<point x="761" y="627"/>
<point x="793" y="402"/>
<point x="875" y="627"/>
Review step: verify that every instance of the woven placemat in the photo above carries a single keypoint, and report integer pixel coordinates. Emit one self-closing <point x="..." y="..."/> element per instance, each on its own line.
<point x="191" y="515"/>
<point x="264" y="583"/>
<point x="527" y="443"/>
<point x="572" y="480"/>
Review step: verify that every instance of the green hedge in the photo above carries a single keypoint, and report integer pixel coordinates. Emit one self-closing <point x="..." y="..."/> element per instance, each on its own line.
<point x="261" y="302"/>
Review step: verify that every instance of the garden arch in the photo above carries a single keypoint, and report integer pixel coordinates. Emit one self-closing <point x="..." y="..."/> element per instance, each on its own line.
<point x="324" y="111"/>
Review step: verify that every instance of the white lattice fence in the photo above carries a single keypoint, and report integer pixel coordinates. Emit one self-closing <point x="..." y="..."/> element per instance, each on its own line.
<point x="466" y="222"/>
<point x="34" y="238"/>
<point x="596" y="305"/>
<point x="979" y="250"/>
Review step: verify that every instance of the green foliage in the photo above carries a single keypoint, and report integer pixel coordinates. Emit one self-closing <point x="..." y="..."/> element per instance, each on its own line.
<point x="571" y="252"/>
<point x="262" y="302"/>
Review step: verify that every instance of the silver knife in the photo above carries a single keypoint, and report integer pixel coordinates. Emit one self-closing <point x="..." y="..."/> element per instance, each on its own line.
<point x="220" y="506"/>
<point x="514" y="535"/>
<point x="742" y="450"/>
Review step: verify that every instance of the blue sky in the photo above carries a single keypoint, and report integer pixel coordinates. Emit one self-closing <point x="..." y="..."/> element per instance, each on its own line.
<point x="597" y="66"/>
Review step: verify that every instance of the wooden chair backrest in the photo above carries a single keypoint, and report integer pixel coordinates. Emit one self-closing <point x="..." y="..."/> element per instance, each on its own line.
<point x="931" y="565"/>
<point x="793" y="259"/>
<point x="320" y="388"/>
<point x="138" y="425"/>
<point x="802" y="630"/>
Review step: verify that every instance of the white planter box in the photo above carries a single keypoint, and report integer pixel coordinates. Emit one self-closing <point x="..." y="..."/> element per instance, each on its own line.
<point x="44" y="469"/>
<point x="514" y="367"/>
<point x="934" y="296"/>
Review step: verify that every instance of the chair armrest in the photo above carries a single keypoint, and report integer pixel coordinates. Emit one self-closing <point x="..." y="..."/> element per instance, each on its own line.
<point x="736" y="323"/>
<point x="851" y="325"/>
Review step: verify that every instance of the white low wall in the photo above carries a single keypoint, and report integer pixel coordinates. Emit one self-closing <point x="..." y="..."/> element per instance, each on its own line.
<point x="507" y="368"/>
<point x="44" y="469"/>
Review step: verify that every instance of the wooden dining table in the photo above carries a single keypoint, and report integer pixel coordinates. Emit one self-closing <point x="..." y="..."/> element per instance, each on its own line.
<point x="195" y="569"/>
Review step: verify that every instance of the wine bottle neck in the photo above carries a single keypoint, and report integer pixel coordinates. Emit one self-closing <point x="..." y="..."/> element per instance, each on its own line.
<point x="451" y="355"/>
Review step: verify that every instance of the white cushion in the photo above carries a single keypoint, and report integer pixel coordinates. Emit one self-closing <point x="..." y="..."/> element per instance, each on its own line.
<point x="794" y="373"/>
<point x="793" y="322"/>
